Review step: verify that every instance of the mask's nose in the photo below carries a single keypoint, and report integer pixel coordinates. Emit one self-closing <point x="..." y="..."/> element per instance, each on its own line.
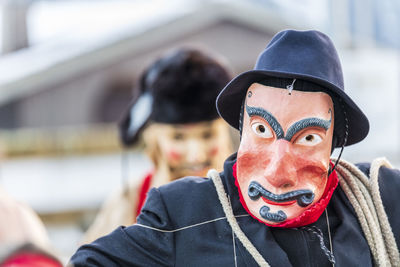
<point x="196" y="151"/>
<point x="281" y="171"/>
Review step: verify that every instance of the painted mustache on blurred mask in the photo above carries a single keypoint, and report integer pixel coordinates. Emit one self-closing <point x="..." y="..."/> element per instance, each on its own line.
<point x="186" y="167"/>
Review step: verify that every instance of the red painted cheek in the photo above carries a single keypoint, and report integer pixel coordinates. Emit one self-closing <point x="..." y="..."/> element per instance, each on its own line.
<point x="309" y="167"/>
<point x="174" y="155"/>
<point x="214" y="151"/>
<point x="251" y="163"/>
<point x="316" y="171"/>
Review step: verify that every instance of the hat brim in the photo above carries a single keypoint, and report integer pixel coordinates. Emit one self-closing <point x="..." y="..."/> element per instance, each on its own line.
<point x="230" y="99"/>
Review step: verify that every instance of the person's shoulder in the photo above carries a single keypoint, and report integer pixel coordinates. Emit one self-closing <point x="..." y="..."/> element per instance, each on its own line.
<point x="189" y="189"/>
<point x="185" y="201"/>
<point x="389" y="187"/>
<point x="186" y="183"/>
<point x="388" y="177"/>
<point x="364" y="167"/>
<point x="380" y="167"/>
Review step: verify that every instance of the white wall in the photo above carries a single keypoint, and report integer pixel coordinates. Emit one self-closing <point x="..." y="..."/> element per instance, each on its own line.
<point x="372" y="79"/>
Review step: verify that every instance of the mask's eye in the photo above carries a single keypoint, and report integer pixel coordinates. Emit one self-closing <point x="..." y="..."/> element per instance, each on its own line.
<point x="178" y="136"/>
<point x="261" y="130"/>
<point x="207" y="135"/>
<point x="309" y="140"/>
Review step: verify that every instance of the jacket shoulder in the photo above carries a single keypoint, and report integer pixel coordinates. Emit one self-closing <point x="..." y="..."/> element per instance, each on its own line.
<point x="388" y="178"/>
<point x="182" y="185"/>
<point x="386" y="174"/>
<point x="188" y="200"/>
<point x="389" y="187"/>
<point x="364" y="167"/>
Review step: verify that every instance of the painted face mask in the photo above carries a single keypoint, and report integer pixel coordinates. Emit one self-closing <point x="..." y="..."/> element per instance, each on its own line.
<point x="283" y="157"/>
<point x="190" y="149"/>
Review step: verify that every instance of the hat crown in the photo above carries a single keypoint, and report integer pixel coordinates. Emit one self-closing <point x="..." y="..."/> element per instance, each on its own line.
<point x="178" y="88"/>
<point x="306" y="53"/>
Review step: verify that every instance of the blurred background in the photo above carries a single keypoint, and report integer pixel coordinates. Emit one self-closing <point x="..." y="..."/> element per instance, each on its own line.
<point x="67" y="70"/>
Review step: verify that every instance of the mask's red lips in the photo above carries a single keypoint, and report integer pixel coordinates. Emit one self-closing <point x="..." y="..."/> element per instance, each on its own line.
<point x="287" y="203"/>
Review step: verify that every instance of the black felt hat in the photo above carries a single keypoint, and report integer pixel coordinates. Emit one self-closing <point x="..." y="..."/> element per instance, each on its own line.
<point x="304" y="55"/>
<point x="179" y="88"/>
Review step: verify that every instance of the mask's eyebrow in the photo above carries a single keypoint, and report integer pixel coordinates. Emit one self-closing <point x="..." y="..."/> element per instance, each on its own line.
<point x="272" y="121"/>
<point x="305" y="123"/>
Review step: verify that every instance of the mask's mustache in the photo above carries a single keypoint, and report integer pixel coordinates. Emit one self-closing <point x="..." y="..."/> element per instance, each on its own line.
<point x="191" y="167"/>
<point x="304" y="197"/>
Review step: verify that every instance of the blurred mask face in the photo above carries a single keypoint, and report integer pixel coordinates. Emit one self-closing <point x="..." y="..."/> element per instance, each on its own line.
<point x="193" y="148"/>
<point x="283" y="157"/>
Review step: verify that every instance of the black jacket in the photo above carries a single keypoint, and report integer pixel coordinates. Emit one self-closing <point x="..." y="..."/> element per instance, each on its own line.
<point x="183" y="224"/>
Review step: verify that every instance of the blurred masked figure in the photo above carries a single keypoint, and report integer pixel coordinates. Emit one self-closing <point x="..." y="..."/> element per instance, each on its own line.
<point x="176" y="117"/>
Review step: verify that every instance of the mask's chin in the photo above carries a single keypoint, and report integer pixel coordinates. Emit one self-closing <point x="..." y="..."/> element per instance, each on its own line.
<point x="272" y="217"/>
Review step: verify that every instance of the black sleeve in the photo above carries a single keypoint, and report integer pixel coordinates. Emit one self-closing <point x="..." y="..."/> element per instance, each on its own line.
<point x="134" y="245"/>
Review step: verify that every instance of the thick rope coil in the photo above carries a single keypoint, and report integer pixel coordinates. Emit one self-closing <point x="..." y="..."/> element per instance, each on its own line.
<point x="364" y="195"/>
<point x="213" y="174"/>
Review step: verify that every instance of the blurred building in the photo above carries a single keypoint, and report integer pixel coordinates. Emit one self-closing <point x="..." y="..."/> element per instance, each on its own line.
<point x="68" y="69"/>
<point x="59" y="101"/>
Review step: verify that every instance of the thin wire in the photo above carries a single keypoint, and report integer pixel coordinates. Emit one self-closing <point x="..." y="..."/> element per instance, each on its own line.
<point x="185" y="227"/>
<point x="241" y="119"/>
<point x="329" y="233"/>
<point x="234" y="248"/>
<point x="345" y="135"/>
<point x="233" y="241"/>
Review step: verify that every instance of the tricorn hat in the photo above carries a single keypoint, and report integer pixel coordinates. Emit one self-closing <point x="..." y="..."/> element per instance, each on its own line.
<point x="179" y="88"/>
<point x="303" y="55"/>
